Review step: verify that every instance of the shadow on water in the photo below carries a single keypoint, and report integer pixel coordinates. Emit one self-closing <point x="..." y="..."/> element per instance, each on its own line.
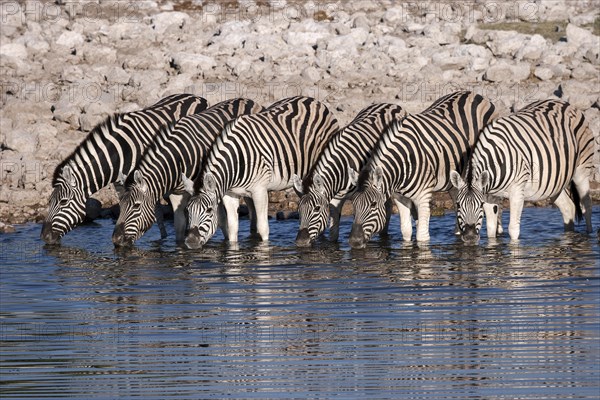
<point x="412" y="320"/>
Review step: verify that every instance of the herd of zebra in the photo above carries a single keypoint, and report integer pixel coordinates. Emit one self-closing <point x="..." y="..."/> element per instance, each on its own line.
<point x="205" y="158"/>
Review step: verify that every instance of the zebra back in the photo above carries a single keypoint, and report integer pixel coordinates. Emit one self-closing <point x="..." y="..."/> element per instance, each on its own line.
<point x="281" y="141"/>
<point x="182" y="147"/>
<point x="116" y="145"/>
<point x="543" y="144"/>
<point x="351" y="147"/>
<point x="421" y="151"/>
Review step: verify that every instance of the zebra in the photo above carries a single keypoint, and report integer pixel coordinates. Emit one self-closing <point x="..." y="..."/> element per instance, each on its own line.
<point x="254" y="155"/>
<point x="325" y="190"/>
<point x="112" y="147"/>
<point x="543" y="151"/>
<point x="412" y="160"/>
<point x="178" y="149"/>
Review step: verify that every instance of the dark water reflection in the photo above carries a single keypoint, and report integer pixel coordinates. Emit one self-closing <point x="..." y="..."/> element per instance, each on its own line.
<point x="498" y="321"/>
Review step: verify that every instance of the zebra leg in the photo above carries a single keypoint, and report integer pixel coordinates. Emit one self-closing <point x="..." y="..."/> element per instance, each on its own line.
<point x="453" y="193"/>
<point x="260" y="196"/>
<point x="335" y="212"/>
<point x="231" y="205"/>
<point x="160" y="220"/>
<point x="389" y="206"/>
<point x="567" y="209"/>
<point x="499" y="228"/>
<point x="517" y="198"/>
<point x="251" y="215"/>
<point x="179" y="203"/>
<point x="581" y="179"/>
<point x="405" y="220"/>
<point x="491" y="219"/>
<point x="424" y="212"/>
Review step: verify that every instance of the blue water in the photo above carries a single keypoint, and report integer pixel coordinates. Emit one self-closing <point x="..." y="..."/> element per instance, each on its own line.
<point x="498" y="321"/>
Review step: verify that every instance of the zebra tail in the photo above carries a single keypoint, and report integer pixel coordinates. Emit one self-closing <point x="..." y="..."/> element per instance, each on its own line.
<point x="577" y="201"/>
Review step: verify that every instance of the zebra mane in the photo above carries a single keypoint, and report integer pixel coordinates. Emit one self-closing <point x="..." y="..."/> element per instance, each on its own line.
<point x="108" y="123"/>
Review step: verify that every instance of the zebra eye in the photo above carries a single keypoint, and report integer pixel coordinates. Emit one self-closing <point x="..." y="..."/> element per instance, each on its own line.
<point x="373" y="204"/>
<point x="64" y="202"/>
<point x="209" y="210"/>
<point x="317" y="209"/>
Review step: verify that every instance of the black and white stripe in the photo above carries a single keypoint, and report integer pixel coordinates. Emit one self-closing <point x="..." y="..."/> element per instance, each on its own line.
<point x="325" y="190"/>
<point x="179" y="149"/>
<point x="111" y="148"/>
<point x="413" y="159"/>
<point x="256" y="154"/>
<point x="543" y="151"/>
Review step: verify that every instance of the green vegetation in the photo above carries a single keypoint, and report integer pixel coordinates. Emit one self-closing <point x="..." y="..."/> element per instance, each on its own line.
<point x="552" y="30"/>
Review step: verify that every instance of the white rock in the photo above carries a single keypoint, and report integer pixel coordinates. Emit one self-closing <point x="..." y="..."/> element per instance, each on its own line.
<point x="543" y="73"/>
<point x="395" y="15"/>
<point x="585" y="71"/>
<point x="163" y="21"/>
<point x="577" y="93"/>
<point x="505" y="43"/>
<point x="581" y="37"/>
<point x="505" y="72"/>
<point x="21" y="140"/>
<point x="13" y="50"/>
<point x="70" y="39"/>
<point x="532" y="49"/>
<point x="191" y="62"/>
<point x="311" y="74"/>
<point x="118" y="75"/>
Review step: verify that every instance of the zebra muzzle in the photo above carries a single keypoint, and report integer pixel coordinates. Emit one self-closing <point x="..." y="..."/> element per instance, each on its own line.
<point x="49" y="235"/>
<point x="357" y="238"/>
<point x="303" y="238"/>
<point x="470" y="235"/>
<point x="119" y="238"/>
<point x="193" y="240"/>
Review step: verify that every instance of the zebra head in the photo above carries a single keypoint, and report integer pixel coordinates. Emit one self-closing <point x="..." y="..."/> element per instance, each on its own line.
<point x="66" y="207"/>
<point x="202" y="211"/>
<point x="313" y="209"/>
<point x="137" y="206"/>
<point x="369" y="208"/>
<point x="469" y="204"/>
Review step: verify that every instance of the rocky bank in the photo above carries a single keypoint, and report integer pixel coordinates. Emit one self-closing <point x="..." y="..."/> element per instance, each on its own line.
<point x="66" y="65"/>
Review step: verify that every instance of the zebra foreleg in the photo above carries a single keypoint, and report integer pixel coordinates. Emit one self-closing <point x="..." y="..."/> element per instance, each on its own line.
<point x="453" y="192"/>
<point x="491" y="219"/>
<point x="260" y="196"/>
<point x="405" y="220"/>
<point x="179" y="204"/>
<point x="251" y="215"/>
<point x="516" y="199"/>
<point x="567" y="209"/>
<point x="581" y="179"/>
<point x="424" y="212"/>
<point x="231" y="205"/>
<point x="335" y="212"/>
<point x="160" y="220"/>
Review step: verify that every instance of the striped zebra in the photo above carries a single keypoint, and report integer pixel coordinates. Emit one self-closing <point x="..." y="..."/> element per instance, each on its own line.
<point x="179" y="149"/>
<point x="543" y="151"/>
<point x="112" y="147"/>
<point x="413" y="159"/>
<point x="254" y="155"/>
<point x="325" y="190"/>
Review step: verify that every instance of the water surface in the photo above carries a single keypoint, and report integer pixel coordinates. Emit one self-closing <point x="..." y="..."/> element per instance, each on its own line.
<point x="498" y="321"/>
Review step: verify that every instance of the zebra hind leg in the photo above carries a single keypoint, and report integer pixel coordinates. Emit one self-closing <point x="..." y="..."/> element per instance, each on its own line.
<point x="260" y="196"/>
<point x="581" y="181"/>
<point x="179" y="204"/>
<point x="567" y="209"/>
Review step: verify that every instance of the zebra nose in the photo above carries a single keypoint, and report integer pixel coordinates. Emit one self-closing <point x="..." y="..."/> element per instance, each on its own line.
<point x="303" y="238"/>
<point x="48" y="235"/>
<point x="470" y="235"/>
<point x="193" y="240"/>
<point x="357" y="237"/>
<point x="118" y="237"/>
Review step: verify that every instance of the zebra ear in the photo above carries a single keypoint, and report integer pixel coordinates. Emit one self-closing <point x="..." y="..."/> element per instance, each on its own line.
<point x="188" y="184"/>
<point x="68" y="176"/>
<point x="210" y="183"/>
<point x="318" y="182"/>
<point x="377" y="178"/>
<point x="138" y="177"/>
<point x="456" y="179"/>
<point x="298" y="187"/>
<point x="484" y="178"/>
<point x="352" y="176"/>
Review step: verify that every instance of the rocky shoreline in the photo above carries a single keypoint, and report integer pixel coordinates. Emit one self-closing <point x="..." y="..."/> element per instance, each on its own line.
<point x="67" y="65"/>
